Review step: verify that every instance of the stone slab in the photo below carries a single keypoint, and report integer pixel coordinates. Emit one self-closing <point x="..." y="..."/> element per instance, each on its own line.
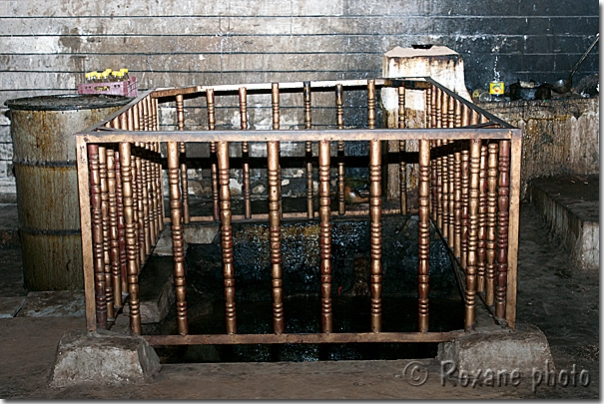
<point x="525" y="349"/>
<point x="103" y="357"/>
<point x="54" y="303"/>
<point x="570" y="206"/>
<point x="10" y="306"/>
<point x="156" y="290"/>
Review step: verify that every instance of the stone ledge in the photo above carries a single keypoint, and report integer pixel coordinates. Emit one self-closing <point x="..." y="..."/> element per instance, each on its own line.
<point x="103" y="357"/>
<point x="525" y="349"/>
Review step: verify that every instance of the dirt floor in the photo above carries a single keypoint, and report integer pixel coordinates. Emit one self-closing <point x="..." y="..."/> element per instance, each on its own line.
<point x="552" y="294"/>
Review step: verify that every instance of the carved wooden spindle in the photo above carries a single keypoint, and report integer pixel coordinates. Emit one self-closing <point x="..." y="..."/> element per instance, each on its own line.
<point x="375" y="203"/>
<point x="145" y="118"/>
<point x="482" y="219"/>
<point x="276" y="126"/>
<point x="341" y="170"/>
<point x="451" y="170"/>
<point x="177" y="240"/>
<point x="121" y="228"/>
<point x="138" y="180"/>
<point x="213" y="164"/>
<point x="159" y="185"/>
<point x="502" y="226"/>
<point x="438" y="107"/>
<point x="275" y="235"/>
<point x="153" y="194"/>
<point x="308" y="149"/>
<point x="180" y="117"/>
<point x="465" y="115"/>
<point x="429" y="105"/>
<point x="474" y="118"/>
<point x="424" y="236"/>
<point x="131" y="237"/>
<point x="245" y="155"/>
<point x="145" y="196"/>
<point x="325" y="235"/>
<point x="457" y="203"/>
<point x="491" y="268"/>
<point x="471" y="281"/>
<point x="439" y="184"/>
<point x="451" y="110"/>
<point x="227" y="237"/>
<point x="445" y="189"/>
<point x="465" y="204"/>
<point x="97" y="236"/>
<point x="114" y="243"/>
<point x="434" y="181"/>
<point x="401" y="147"/>
<point x="371" y="104"/>
<point x="458" y="113"/>
<point x="105" y="233"/>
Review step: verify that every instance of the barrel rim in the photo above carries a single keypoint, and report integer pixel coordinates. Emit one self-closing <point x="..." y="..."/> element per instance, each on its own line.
<point x="74" y="102"/>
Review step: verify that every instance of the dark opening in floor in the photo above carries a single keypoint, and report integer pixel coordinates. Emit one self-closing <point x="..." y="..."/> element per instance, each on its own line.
<point x="351" y="258"/>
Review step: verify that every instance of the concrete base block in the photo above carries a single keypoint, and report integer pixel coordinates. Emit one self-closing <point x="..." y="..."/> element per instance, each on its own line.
<point x="524" y="349"/>
<point x="103" y="357"/>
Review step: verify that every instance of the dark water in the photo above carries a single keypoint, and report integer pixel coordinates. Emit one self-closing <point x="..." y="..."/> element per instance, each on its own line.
<point x="301" y="280"/>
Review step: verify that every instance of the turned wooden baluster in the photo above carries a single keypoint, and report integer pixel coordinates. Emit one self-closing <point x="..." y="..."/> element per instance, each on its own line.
<point x="457" y="203"/>
<point x="491" y="222"/>
<point x="445" y="189"/>
<point x="472" y="260"/>
<point x="275" y="235"/>
<point x="154" y="231"/>
<point x="182" y="149"/>
<point x="145" y="191"/>
<point x="375" y="203"/>
<point x="458" y="113"/>
<point x="227" y="237"/>
<point x="159" y="215"/>
<point x="177" y="240"/>
<point x="402" y="149"/>
<point x="97" y="236"/>
<point x="341" y="171"/>
<point x="325" y="235"/>
<point x="114" y="243"/>
<point x="424" y="236"/>
<point x="482" y="219"/>
<point x="245" y="155"/>
<point x="105" y="231"/>
<point x="371" y="104"/>
<point x="131" y="237"/>
<point x="502" y="226"/>
<point x="121" y="229"/>
<point x="465" y="115"/>
<point x="451" y="171"/>
<point x="438" y="122"/>
<point x="308" y="125"/>
<point x="451" y="109"/>
<point x="276" y="126"/>
<point x="439" y="184"/>
<point x="214" y="167"/>
<point x="138" y="181"/>
<point x="465" y="204"/>
<point x="429" y="101"/>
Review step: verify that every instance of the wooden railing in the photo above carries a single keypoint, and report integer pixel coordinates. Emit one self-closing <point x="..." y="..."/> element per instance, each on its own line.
<point x="469" y="186"/>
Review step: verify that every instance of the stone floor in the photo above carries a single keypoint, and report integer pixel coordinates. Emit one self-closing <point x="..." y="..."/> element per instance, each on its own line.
<point x="552" y="294"/>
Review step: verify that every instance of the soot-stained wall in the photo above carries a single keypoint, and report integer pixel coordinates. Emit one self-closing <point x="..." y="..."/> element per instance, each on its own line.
<point x="48" y="45"/>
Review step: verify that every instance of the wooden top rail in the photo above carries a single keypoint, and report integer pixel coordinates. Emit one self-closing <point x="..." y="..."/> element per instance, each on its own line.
<point x="107" y="135"/>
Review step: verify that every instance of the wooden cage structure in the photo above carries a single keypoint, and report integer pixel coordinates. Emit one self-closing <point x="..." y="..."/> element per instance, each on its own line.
<point x="469" y="187"/>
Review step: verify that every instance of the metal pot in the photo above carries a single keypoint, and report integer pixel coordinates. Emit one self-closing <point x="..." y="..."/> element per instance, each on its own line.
<point x="564" y="85"/>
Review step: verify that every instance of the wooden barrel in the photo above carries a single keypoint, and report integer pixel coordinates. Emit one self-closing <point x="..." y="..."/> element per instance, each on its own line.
<point x="44" y="157"/>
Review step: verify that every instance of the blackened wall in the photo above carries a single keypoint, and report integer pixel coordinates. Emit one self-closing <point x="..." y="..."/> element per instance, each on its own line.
<point x="46" y="46"/>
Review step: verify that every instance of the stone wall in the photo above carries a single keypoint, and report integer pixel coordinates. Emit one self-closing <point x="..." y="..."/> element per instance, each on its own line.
<point x="47" y="46"/>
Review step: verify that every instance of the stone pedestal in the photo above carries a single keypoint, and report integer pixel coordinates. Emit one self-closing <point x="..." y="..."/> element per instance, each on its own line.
<point x="103" y="357"/>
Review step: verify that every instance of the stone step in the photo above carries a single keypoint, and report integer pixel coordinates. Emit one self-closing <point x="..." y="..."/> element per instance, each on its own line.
<point x="570" y="206"/>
